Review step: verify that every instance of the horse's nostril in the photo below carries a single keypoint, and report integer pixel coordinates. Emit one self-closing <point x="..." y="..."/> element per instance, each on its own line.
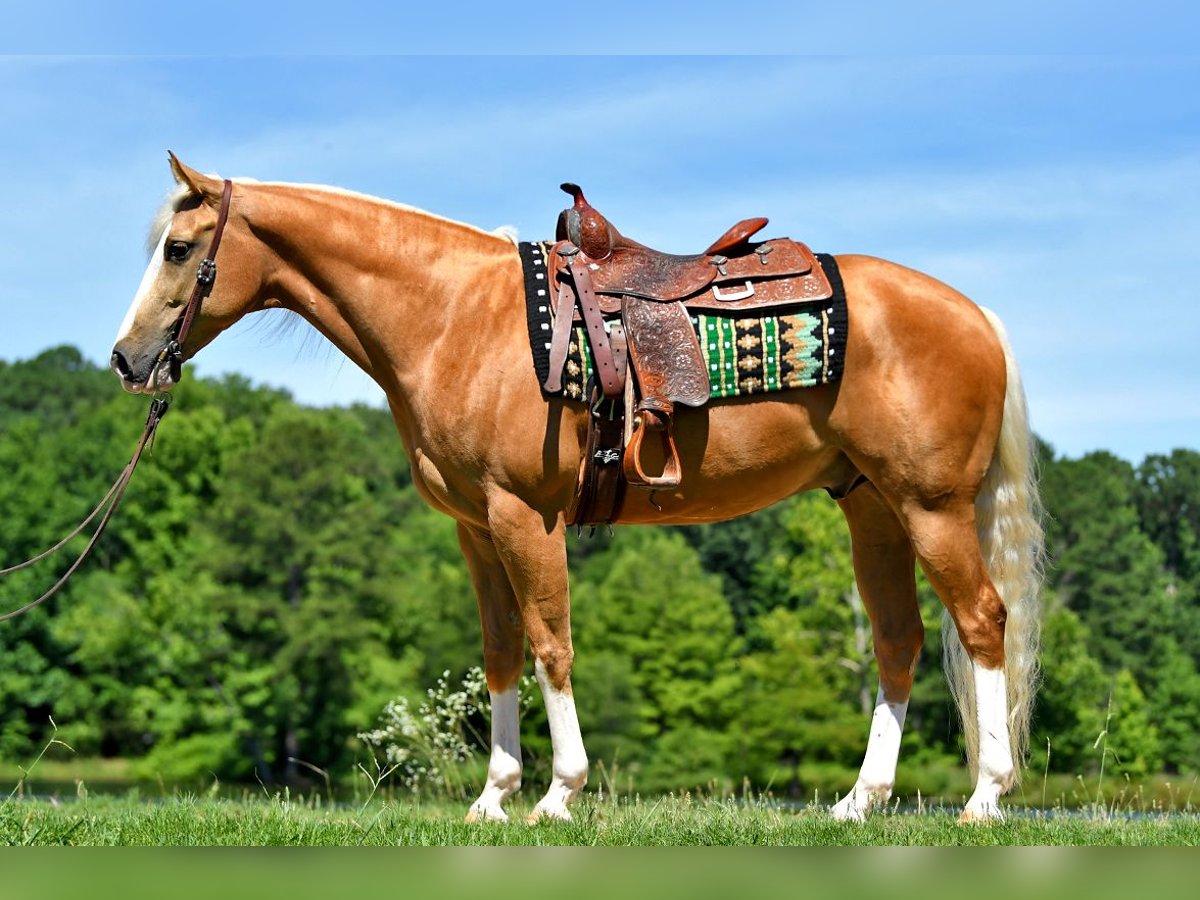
<point x="119" y="365"/>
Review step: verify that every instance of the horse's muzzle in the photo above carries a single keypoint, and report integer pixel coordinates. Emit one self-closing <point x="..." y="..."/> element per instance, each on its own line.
<point x="149" y="375"/>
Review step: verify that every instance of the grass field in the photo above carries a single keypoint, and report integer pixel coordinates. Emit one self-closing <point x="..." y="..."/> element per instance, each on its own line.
<point x="676" y="821"/>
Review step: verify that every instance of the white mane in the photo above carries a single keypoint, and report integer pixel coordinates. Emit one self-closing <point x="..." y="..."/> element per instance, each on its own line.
<point x="174" y="199"/>
<point x="505" y="232"/>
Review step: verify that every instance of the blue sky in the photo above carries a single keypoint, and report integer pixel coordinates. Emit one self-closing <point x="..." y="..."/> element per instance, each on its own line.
<point x="1061" y="191"/>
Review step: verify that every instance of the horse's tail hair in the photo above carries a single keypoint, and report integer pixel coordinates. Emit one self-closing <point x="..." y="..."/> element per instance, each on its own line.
<point x="1008" y="514"/>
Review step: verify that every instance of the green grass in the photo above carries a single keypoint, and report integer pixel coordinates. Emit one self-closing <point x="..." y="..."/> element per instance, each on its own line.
<point x="190" y="821"/>
<point x="937" y="783"/>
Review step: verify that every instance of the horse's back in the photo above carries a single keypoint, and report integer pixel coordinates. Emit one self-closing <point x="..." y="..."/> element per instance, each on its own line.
<point x="920" y="398"/>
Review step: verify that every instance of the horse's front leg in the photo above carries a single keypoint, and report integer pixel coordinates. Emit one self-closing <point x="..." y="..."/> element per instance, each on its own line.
<point x="534" y="554"/>
<point x="503" y="660"/>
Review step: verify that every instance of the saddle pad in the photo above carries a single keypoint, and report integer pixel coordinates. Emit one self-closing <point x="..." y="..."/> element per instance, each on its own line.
<point x="800" y="347"/>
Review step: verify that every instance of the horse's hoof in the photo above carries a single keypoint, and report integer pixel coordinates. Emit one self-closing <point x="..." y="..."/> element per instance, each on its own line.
<point x="548" y="813"/>
<point x="863" y="797"/>
<point x="981" y="815"/>
<point x="846" y="810"/>
<point x="478" y="813"/>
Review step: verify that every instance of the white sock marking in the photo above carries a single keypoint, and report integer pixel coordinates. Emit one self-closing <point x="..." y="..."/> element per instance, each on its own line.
<point x="995" y="754"/>
<point x="504" y="767"/>
<point x="570" y="758"/>
<point x="878" y="772"/>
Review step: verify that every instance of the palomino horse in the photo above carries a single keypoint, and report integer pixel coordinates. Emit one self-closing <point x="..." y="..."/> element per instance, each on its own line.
<point x="930" y="410"/>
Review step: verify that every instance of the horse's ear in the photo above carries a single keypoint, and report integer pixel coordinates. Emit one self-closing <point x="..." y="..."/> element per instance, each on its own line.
<point x="200" y="185"/>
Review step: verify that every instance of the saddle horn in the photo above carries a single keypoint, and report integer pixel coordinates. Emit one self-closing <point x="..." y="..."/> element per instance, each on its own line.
<point x="585" y="227"/>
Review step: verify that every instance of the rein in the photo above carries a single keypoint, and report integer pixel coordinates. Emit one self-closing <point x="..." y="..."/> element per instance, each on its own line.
<point x="206" y="274"/>
<point x="158" y="409"/>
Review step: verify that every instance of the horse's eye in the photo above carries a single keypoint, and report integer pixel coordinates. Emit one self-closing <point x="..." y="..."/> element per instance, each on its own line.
<point x="177" y="251"/>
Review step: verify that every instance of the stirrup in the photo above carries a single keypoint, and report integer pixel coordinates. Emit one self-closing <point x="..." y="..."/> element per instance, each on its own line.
<point x="635" y="474"/>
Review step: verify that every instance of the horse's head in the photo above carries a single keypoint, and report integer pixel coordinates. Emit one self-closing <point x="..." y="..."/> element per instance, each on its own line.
<point x="184" y="234"/>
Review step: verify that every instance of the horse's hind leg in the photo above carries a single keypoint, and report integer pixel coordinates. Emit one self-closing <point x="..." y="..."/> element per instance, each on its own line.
<point x="884" y="569"/>
<point x="503" y="660"/>
<point x="947" y="545"/>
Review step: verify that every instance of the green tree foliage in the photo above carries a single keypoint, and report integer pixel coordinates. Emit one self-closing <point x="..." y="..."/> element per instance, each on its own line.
<point x="1168" y="502"/>
<point x="1111" y="535"/>
<point x="57" y="387"/>
<point x="273" y="579"/>
<point x="810" y="572"/>
<point x="1069" y="717"/>
<point x="648" y="601"/>
<point x="1132" y="737"/>
<point x="1104" y="567"/>
<point x="1174" y="703"/>
<point x="794" y="709"/>
<point x="241" y="612"/>
<point x="737" y="550"/>
<point x="301" y="580"/>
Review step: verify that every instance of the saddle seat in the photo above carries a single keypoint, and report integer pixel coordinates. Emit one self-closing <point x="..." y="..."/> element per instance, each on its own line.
<point x="623" y="265"/>
<point x="598" y="274"/>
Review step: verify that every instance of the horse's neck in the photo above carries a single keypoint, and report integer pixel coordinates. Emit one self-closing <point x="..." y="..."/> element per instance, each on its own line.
<point x="387" y="284"/>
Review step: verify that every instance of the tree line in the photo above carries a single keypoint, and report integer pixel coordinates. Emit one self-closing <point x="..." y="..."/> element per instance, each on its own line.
<point x="272" y="580"/>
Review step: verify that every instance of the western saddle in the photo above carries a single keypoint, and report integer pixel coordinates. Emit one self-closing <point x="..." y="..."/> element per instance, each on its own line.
<point x="636" y="304"/>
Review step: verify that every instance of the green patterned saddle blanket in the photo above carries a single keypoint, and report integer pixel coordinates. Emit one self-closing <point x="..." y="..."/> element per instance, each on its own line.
<point x="802" y="346"/>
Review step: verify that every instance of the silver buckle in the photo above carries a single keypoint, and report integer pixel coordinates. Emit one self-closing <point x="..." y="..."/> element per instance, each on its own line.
<point x="737" y="295"/>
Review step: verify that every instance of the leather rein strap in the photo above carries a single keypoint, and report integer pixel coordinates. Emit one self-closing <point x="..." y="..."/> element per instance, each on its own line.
<point x="206" y="274"/>
<point x="158" y="409"/>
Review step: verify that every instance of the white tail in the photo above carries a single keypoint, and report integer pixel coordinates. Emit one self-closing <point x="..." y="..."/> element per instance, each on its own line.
<point x="1009" y="523"/>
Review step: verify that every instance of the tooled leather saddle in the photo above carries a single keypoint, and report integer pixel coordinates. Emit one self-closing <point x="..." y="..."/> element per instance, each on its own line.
<point x="636" y="304"/>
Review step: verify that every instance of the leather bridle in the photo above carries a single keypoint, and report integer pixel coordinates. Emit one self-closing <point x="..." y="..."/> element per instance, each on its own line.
<point x="206" y="274"/>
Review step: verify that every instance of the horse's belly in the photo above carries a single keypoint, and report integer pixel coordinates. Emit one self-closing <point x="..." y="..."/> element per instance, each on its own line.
<point x="738" y="457"/>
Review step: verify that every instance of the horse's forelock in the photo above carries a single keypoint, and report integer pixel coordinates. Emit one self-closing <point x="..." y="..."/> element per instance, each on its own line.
<point x="162" y="217"/>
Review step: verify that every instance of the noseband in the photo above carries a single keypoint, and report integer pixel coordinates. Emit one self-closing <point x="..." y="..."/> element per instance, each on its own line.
<point x="206" y="274"/>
